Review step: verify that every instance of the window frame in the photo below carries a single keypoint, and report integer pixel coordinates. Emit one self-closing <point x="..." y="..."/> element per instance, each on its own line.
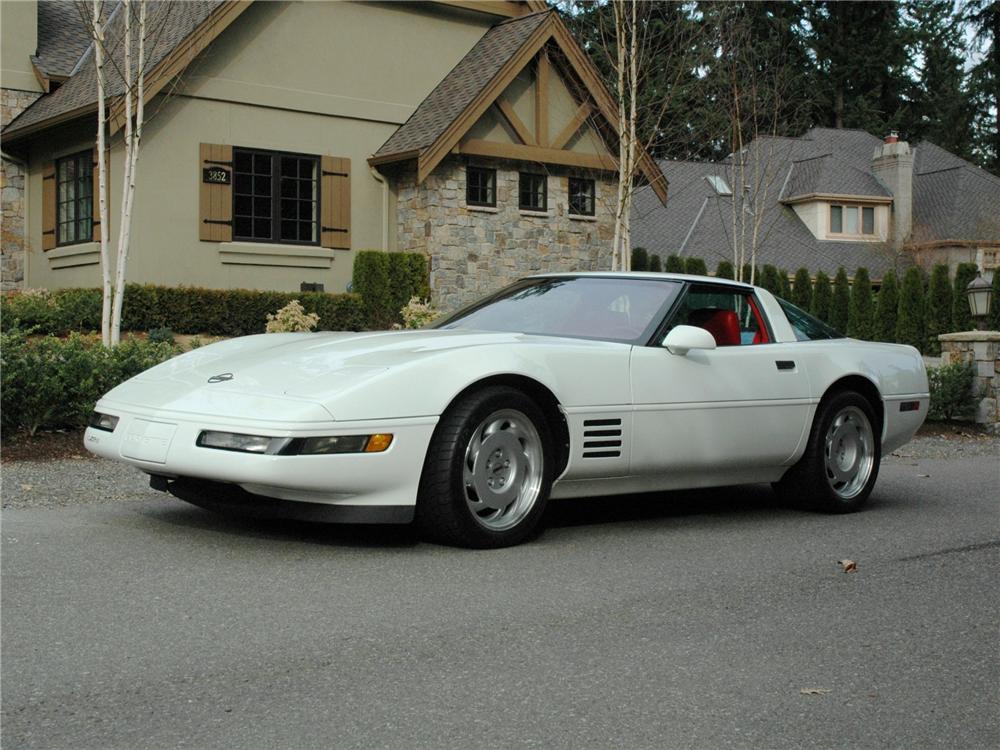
<point x="86" y="158"/>
<point x="276" y="156"/>
<point x="492" y="189"/>
<point x="843" y="206"/>
<point x="521" y="191"/>
<point x="592" y="196"/>
<point x="753" y="303"/>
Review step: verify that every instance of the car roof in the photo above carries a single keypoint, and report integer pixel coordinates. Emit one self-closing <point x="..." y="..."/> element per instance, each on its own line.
<point x="644" y="275"/>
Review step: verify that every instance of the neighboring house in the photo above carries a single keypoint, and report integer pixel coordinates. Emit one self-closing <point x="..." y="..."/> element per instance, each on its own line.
<point x="828" y="199"/>
<point x="282" y="137"/>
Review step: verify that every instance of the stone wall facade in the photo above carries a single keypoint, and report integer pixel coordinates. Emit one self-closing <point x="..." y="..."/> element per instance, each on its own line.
<point x="13" y="182"/>
<point x="981" y="350"/>
<point x="474" y="251"/>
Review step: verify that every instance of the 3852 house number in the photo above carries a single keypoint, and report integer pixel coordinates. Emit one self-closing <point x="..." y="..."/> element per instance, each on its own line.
<point x="216" y="175"/>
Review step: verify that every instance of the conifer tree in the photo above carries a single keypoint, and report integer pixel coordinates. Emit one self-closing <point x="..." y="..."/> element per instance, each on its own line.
<point x="725" y="270"/>
<point x="695" y="267"/>
<point x="784" y="285"/>
<point x="910" y="320"/>
<point x="802" y="289"/>
<point x="994" y="322"/>
<point x="961" y="315"/>
<point x="887" y="308"/>
<point x="655" y="265"/>
<point x="861" y="313"/>
<point x="822" y="297"/>
<point x="769" y="279"/>
<point x="939" y="296"/>
<point x="840" y="305"/>
<point x="675" y="264"/>
<point x="747" y="272"/>
<point x="640" y="259"/>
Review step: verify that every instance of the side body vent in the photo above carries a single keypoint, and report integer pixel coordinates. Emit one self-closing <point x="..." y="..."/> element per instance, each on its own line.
<point x="602" y="438"/>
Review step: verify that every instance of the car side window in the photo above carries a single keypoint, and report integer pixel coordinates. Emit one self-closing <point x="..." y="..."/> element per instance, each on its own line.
<point x="732" y="316"/>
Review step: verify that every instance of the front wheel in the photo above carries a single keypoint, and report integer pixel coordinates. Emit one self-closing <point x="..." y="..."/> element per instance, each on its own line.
<point x="487" y="476"/>
<point x="839" y="468"/>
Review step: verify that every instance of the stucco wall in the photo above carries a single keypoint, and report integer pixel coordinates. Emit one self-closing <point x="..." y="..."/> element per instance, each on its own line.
<point x="474" y="251"/>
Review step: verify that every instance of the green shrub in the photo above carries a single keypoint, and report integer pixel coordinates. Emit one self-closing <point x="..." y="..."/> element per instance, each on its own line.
<point x="822" y="298"/>
<point x="725" y="270"/>
<point x="952" y="392"/>
<point x="51" y="383"/>
<point x="862" y="311"/>
<point x="640" y="259"/>
<point x="840" y="305"/>
<point x="749" y="277"/>
<point x="910" y="319"/>
<point x="655" y="264"/>
<point x="961" y="315"/>
<point x="292" y="318"/>
<point x="994" y="319"/>
<point x="30" y="309"/>
<point x="887" y="308"/>
<point x="802" y="289"/>
<point x="769" y="279"/>
<point x="386" y="282"/>
<point x="674" y="264"/>
<point x="939" y="298"/>
<point x="784" y="284"/>
<point x="695" y="267"/>
<point x="160" y="336"/>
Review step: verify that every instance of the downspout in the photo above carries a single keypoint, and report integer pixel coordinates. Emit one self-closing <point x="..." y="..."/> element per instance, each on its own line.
<point x="27" y="223"/>
<point x="379" y="177"/>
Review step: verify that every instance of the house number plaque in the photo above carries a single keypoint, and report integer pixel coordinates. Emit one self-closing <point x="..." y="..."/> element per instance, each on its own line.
<point x="216" y="175"/>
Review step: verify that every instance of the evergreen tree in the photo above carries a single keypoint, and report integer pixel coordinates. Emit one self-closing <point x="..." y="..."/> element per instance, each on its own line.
<point x="840" y="305"/>
<point x="802" y="289"/>
<point x="994" y="319"/>
<point x="748" y="274"/>
<point x="939" y="302"/>
<point x="887" y="309"/>
<point x="784" y="285"/>
<point x="983" y="18"/>
<point x="640" y="259"/>
<point x="910" y="319"/>
<point x="769" y="279"/>
<point x="655" y="265"/>
<point x="725" y="270"/>
<point x="861" y="314"/>
<point x="961" y="315"/>
<point x="675" y="264"/>
<point x="695" y="267"/>
<point x="822" y="298"/>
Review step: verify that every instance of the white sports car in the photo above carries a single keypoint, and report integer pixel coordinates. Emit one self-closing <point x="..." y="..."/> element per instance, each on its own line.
<point x="561" y="385"/>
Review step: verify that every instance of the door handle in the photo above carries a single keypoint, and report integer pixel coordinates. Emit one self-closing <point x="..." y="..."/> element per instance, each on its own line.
<point x="785" y="364"/>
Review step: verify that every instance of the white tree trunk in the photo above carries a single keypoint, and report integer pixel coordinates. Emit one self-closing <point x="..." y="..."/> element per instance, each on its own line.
<point x="97" y="31"/>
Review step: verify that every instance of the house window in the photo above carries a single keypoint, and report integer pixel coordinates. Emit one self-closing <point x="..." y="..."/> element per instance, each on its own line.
<point x="533" y="192"/>
<point x="852" y="220"/>
<point x="481" y="187"/>
<point x="75" y="199"/>
<point x="275" y="197"/>
<point x="581" y="196"/>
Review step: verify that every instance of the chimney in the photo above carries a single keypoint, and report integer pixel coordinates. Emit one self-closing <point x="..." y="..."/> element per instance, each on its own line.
<point x="893" y="165"/>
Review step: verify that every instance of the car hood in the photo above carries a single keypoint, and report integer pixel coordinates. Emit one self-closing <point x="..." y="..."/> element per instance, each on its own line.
<point x="289" y="376"/>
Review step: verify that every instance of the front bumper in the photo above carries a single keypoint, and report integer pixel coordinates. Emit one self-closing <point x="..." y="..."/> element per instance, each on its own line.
<point x="163" y="444"/>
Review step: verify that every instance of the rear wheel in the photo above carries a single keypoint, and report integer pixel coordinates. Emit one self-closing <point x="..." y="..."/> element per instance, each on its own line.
<point x="839" y="468"/>
<point x="486" y="478"/>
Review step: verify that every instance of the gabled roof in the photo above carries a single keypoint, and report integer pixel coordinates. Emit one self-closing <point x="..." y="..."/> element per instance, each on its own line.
<point x="176" y="32"/>
<point x="476" y="82"/>
<point x="63" y="37"/>
<point x="828" y="175"/>
<point x="953" y="199"/>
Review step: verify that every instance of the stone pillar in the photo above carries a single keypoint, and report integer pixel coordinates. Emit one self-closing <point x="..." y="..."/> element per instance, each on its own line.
<point x="13" y="184"/>
<point x="981" y="350"/>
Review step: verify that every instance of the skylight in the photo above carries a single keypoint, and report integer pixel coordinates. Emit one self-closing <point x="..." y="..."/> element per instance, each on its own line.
<point x="719" y="184"/>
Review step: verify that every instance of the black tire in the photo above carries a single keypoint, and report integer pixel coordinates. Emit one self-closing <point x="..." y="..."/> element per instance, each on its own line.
<point x="845" y="431"/>
<point x="516" y="469"/>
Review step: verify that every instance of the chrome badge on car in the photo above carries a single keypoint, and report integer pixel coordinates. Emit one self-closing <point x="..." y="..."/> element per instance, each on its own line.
<point x="221" y="378"/>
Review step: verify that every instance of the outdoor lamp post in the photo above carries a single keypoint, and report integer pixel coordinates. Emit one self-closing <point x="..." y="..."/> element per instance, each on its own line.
<point x="980" y="294"/>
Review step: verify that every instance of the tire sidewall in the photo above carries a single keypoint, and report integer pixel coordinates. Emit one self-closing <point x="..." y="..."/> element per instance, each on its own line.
<point x="827" y="497"/>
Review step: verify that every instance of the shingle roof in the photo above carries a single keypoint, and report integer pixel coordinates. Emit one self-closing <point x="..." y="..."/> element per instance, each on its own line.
<point x="167" y="24"/>
<point x="459" y="88"/>
<point x="63" y="35"/>
<point x="952" y="200"/>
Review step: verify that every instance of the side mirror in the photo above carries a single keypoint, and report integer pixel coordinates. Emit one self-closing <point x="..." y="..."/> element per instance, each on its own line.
<point x="682" y="339"/>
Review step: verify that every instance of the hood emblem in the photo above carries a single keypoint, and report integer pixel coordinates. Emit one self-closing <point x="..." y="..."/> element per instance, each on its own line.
<point x="221" y="378"/>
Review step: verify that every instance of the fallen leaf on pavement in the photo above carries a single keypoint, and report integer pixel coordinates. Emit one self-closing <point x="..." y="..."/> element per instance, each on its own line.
<point x="849" y="566"/>
<point x="815" y="691"/>
<point x="26" y="486"/>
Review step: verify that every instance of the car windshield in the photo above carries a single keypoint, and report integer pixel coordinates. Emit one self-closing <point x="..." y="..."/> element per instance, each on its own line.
<point x="806" y="327"/>
<point x="591" y="307"/>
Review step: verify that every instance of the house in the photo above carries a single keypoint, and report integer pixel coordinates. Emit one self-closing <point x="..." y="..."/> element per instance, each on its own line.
<point x="282" y="137"/>
<point x="830" y="198"/>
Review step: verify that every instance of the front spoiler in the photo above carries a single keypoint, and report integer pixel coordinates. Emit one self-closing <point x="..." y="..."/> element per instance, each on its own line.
<point x="222" y="497"/>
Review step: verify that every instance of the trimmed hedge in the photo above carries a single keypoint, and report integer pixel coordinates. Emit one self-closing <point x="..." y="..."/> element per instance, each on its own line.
<point x="939" y="301"/>
<point x="640" y="259"/>
<point x="725" y="270"/>
<point x="860" y="319"/>
<point x="802" y="289"/>
<point x="887" y="308"/>
<point x="52" y="383"/>
<point x="387" y="282"/>
<point x="822" y="298"/>
<point x="910" y="321"/>
<point x="218" y="312"/>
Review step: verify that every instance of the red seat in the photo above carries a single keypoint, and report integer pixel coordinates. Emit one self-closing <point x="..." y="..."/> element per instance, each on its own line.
<point x="722" y="324"/>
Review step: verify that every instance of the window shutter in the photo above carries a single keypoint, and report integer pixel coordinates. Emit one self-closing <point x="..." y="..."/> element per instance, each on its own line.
<point x="335" y="216"/>
<point x="95" y="209"/>
<point x="215" y="201"/>
<point x="49" y="205"/>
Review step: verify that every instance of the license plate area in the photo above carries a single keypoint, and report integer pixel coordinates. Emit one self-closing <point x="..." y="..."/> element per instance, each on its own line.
<point x="148" y="441"/>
